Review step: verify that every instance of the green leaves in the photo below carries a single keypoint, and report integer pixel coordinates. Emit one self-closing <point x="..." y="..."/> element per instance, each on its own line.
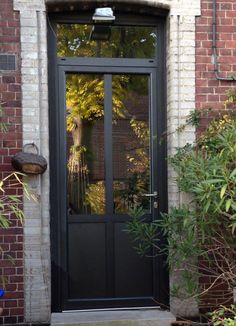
<point x="228" y="204"/>
<point x="144" y="235"/>
<point x="223" y="190"/>
<point x="208" y="172"/>
<point x="11" y="204"/>
<point x="205" y="229"/>
<point x="224" y="316"/>
<point x="10" y="207"/>
<point x="90" y="108"/>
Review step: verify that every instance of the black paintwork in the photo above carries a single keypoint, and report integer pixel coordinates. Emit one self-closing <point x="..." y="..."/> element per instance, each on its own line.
<point x="80" y="245"/>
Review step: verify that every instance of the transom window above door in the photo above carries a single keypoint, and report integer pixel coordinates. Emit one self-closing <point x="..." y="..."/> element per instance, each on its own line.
<point x="106" y="41"/>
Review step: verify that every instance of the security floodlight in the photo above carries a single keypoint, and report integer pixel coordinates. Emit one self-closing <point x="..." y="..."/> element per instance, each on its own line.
<point x="103" y="15"/>
<point x="101" y="30"/>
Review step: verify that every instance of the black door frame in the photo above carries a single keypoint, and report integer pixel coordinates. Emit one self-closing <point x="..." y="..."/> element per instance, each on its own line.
<point x="57" y="69"/>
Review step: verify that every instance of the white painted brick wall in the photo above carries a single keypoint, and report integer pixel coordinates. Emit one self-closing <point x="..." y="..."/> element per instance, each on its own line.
<point x="180" y="101"/>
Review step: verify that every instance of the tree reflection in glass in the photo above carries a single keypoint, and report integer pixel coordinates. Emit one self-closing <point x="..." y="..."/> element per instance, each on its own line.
<point x="73" y="40"/>
<point x="85" y="120"/>
<point x="131" y="147"/>
<point x="85" y="140"/>
<point x="85" y="164"/>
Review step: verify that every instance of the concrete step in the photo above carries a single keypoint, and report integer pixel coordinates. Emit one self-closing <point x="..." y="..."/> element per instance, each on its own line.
<point x="143" y="317"/>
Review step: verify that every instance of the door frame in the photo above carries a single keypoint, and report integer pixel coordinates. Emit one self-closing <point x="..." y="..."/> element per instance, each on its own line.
<point x="57" y="68"/>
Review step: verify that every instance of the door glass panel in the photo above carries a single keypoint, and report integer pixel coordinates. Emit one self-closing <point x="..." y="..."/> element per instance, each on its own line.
<point x="131" y="142"/>
<point x="78" y="40"/>
<point x="85" y="143"/>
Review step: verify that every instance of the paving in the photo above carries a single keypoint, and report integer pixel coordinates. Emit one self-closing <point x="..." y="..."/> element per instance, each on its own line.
<point x="135" y="317"/>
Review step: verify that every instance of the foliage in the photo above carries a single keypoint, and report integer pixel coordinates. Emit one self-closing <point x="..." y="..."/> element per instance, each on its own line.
<point x="224" y="316"/>
<point x="3" y="124"/>
<point x="138" y="179"/>
<point x="207" y="171"/>
<point x="193" y="119"/>
<point x="203" y="230"/>
<point x="85" y="107"/>
<point x="10" y="205"/>
<point x="80" y="106"/>
<point x="83" y="112"/>
<point x="140" y="162"/>
<point x="95" y="197"/>
<point x="128" y="42"/>
<point x="143" y="234"/>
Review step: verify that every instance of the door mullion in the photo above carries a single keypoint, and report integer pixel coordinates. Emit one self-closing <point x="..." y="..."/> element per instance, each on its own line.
<point x="108" y="143"/>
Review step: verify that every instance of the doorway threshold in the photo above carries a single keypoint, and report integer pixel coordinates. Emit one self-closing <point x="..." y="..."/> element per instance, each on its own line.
<point x="118" y="317"/>
<point x="113" y="309"/>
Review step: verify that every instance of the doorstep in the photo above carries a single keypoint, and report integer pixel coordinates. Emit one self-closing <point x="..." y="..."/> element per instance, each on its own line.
<point x="136" y="317"/>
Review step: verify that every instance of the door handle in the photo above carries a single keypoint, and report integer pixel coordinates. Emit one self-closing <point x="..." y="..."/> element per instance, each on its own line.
<point x="154" y="195"/>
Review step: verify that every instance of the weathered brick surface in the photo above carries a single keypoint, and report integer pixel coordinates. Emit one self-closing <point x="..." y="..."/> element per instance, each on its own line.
<point x="11" y="240"/>
<point x="210" y="92"/>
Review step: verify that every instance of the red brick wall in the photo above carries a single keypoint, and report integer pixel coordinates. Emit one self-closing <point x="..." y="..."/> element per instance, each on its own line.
<point x="210" y="92"/>
<point x="11" y="240"/>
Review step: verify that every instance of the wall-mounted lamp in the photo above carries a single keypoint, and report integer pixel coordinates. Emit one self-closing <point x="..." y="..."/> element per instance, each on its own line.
<point x="100" y="33"/>
<point x="101" y="30"/>
<point x="103" y="15"/>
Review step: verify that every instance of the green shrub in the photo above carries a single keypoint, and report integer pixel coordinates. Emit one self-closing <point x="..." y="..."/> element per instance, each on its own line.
<point x="224" y="316"/>
<point x="203" y="230"/>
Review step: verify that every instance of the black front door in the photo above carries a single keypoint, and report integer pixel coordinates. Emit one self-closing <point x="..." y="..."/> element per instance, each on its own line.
<point x="109" y="156"/>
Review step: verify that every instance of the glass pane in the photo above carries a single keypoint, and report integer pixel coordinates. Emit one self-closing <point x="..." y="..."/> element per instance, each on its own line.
<point x="85" y="143"/>
<point x="77" y="40"/>
<point x="131" y="144"/>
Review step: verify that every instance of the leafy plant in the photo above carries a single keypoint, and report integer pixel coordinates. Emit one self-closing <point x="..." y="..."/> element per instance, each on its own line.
<point x="204" y="230"/>
<point x="11" y="208"/>
<point x="144" y="235"/>
<point x="10" y="205"/>
<point x="224" y="316"/>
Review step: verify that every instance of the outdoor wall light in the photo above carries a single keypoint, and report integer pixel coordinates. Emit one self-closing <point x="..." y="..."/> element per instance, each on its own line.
<point x="101" y="30"/>
<point x="103" y="15"/>
<point x="100" y="33"/>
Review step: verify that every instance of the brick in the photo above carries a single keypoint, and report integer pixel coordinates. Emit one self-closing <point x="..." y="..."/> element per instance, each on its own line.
<point x="10" y="320"/>
<point x="214" y="95"/>
<point x="14" y="88"/>
<point x="8" y="79"/>
<point x="10" y="303"/>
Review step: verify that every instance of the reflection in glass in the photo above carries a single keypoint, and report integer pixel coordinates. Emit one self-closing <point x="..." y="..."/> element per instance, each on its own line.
<point x="85" y="143"/>
<point x="131" y="145"/>
<point x="73" y="40"/>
